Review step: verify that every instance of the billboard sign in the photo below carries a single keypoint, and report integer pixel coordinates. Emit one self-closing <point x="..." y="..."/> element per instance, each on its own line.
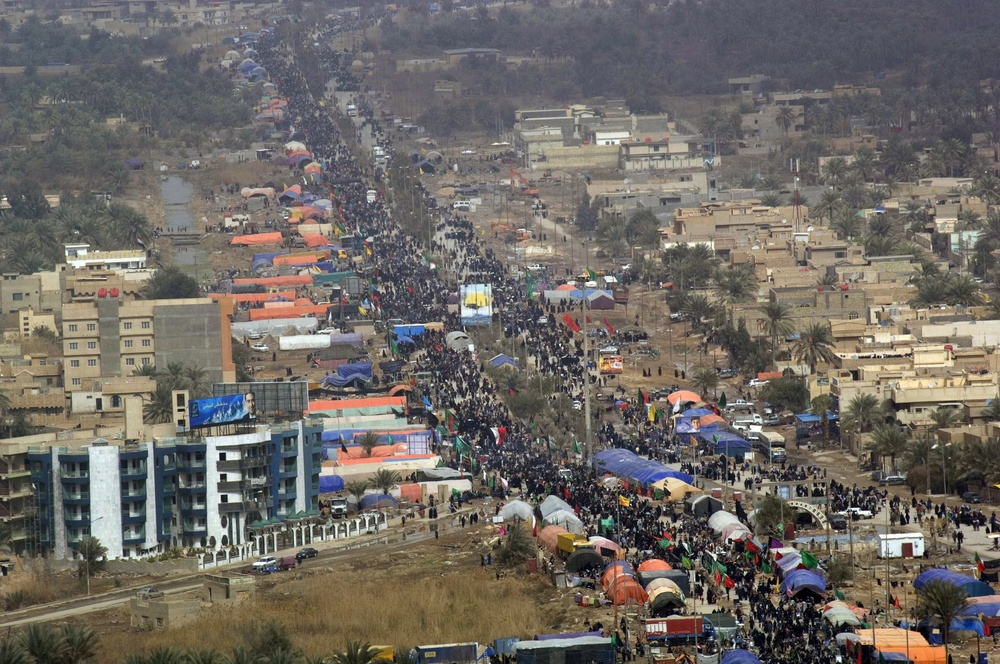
<point x="217" y="411"/>
<point x="476" y="304"/>
<point x="611" y="364"/>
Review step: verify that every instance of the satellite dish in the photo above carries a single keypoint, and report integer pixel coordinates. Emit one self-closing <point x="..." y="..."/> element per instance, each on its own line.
<point x="627" y="181"/>
<point x="810" y="228"/>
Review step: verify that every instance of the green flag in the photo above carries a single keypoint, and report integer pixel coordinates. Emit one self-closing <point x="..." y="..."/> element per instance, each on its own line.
<point x="765" y="568"/>
<point x="462" y="447"/>
<point x="591" y="274"/>
<point x="722" y="569"/>
<point x="393" y="347"/>
<point x="530" y="282"/>
<point x="715" y="439"/>
<point x="839" y="595"/>
<point x="576" y="447"/>
<point x="686" y="563"/>
<point x="809" y="560"/>
<point x="722" y="400"/>
<point x="664" y="543"/>
<point x="389" y="439"/>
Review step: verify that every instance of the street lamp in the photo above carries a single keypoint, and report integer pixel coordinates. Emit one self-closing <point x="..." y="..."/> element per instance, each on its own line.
<point x="944" y="469"/>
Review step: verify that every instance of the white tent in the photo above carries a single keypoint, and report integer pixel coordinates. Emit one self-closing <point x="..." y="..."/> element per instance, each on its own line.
<point x="566" y="519"/>
<point x="304" y="342"/>
<point x="554" y="504"/>
<point x="718" y="521"/>
<point x="517" y="509"/>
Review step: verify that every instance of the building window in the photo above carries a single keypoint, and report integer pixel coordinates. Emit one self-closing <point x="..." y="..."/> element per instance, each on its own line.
<point x="72" y="327"/>
<point x="853" y="315"/>
<point x="76" y="381"/>
<point x="145" y="324"/>
<point x="91" y="345"/>
<point x="128" y="343"/>
<point x="73" y="345"/>
<point x="145" y="343"/>
<point x="74" y="363"/>
<point x="91" y="363"/>
<point x="127" y="326"/>
<point x="130" y="361"/>
<point x="91" y="327"/>
<point x="17" y="297"/>
<point x="145" y="361"/>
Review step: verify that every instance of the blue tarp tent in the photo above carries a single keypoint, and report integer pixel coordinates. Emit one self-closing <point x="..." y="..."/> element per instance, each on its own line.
<point x="739" y="657"/>
<point x="971" y="586"/>
<point x="696" y="412"/>
<point x="627" y="464"/>
<point x="803" y="579"/>
<point x="349" y="372"/>
<point x="809" y="418"/>
<point x="373" y="500"/>
<point x="890" y="656"/>
<point x="409" y="330"/>
<point x="331" y="483"/>
<point x="967" y="624"/>
<point x="501" y="359"/>
<point x="725" y="442"/>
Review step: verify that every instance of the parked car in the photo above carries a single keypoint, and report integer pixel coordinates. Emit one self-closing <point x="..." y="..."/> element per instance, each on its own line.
<point x="149" y="593"/>
<point x="264" y="562"/>
<point x="651" y="352"/>
<point x="889" y="480"/>
<point x="307" y="552"/>
<point x="971" y="497"/>
<point x="728" y="372"/>
<point x="260" y="348"/>
<point x="857" y="513"/>
<point x="756" y="382"/>
<point x="877" y="475"/>
<point x="772" y="421"/>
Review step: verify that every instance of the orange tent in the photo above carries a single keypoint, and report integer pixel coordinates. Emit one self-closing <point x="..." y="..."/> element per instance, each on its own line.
<point x="565" y="287"/>
<point x="395" y="458"/>
<point x="396" y="389"/>
<point x="322" y="405"/>
<point x="711" y="418"/>
<point x="626" y="590"/>
<point x="377" y="451"/>
<point x="411" y="492"/>
<point x="269" y="313"/>
<point x="257" y="239"/>
<point x="315" y="240"/>
<point x="654" y="564"/>
<point x="548" y="538"/>
<point x="617" y="569"/>
<point x="254" y="297"/>
<point x="268" y="282"/>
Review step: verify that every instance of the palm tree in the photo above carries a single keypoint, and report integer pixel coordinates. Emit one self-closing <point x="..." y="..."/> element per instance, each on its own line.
<point x="699" y="307"/>
<point x="992" y="411"/>
<point x="704" y="379"/>
<point x="92" y="554"/>
<point x="846" y="224"/>
<point x="174" y="375"/>
<point x="43" y="643"/>
<point x="863" y="413"/>
<point x="165" y="656"/>
<point x="196" y="379"/>
<point x="941" y="602"/>
<point x="828" y="205"/>
<point x="881" y="245"/>
<point x="945" y="418"/>
<point x="368" y="441"/>
<point x="385" y="479"/>
<point x="356" y="652"/>
<point x="827" y="280"/>
<point x="777" y="322"/>
<point x="357" y="488"/>
<point x="145" y="370"/>
<point x="835" y="170"/>
<point x="889" y="441"/>
<point x="735" y="285"/>
<point x="243" y="656"/>
<point x="963" y="290"/>
<point x="772" y="200"/>
<point x="80" y="644"/>
<point x="814" y="345"/>
<point x="12" y="651"/>
<point x="160" y="408"/>
<point x="785" y="119"/>
<point x="516" y="548"/>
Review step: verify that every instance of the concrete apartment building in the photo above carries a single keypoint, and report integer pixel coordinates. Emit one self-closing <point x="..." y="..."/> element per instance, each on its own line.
<point x="192" y="491"/>
<point x="109" y="338"/>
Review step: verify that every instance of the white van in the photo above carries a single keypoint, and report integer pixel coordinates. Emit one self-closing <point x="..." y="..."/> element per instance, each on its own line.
<point x="463" y="206"/>
<point x="371" y="195"/>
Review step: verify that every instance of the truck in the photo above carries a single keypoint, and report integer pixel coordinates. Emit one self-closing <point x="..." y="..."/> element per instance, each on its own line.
<point x="352" y="110"/>
<point x="338" y="507"/>
<point x="771" y="445"/>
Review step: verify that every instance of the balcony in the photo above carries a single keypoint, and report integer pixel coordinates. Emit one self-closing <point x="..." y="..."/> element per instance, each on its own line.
<point x="81" y="519"/>
<point x="133" y="471"/>
<point x="134" y="493"/>
<point x="134" y="536"/>
<point x="76" y="497"/>
<point x="75" y="475"/>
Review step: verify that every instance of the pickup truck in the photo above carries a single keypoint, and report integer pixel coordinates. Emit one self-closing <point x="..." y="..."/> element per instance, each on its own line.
<point x="338" y="507"/>
<point x="857" y="513"/>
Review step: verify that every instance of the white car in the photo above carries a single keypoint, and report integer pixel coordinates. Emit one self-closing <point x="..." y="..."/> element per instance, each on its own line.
<point x="756" y="382"/>
<point x="328" y="330"/>
<point x="261" y="348"/>
<point x="534" y="267"/>
<point x="468" y="152"/>
<point x="861" y="514"/>
<point x="264" y="561"/>
<point x="577" y="405"/>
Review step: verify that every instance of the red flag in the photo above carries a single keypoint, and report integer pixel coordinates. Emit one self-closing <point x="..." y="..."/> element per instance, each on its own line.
<point x="645" y="397"/>
<point x="667" y="535"/>
<point x="570" y="323"/>
<point x="750" y="546"/>
<point x="611" y="330"/>
<point x="895" y="601"/>
<point x="979" y="564"/>
<point x="499" y="433"/>
<point x="511" y="390"/>
<point x="588" y="320"/>
<point x="718" y="577"/>
<point x="534" y="528"/>
<point x="729" y="583"/>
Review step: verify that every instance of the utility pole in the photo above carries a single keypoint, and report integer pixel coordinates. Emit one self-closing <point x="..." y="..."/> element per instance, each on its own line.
<point x="589" y="442"/>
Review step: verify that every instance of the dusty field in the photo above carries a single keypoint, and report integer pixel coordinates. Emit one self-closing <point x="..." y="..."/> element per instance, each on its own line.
<point x="435" y="592"/>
